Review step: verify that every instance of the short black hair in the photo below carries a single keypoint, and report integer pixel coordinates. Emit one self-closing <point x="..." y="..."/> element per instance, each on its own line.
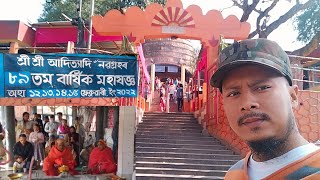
<point x="59" y="113"/>
<point x="51" y="116"/>
<point x="22" y="135"/>
<point x="73" y="127"/>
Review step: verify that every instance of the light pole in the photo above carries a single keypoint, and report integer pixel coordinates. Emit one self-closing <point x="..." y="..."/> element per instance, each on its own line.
<point x="90" y="27"/>
<point x="78" y="21"/>
<point x="80" y="24"/>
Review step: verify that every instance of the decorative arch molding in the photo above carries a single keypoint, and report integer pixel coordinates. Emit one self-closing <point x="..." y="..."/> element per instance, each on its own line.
<point x="156" y="22"/>
<point x="173" y="16"/>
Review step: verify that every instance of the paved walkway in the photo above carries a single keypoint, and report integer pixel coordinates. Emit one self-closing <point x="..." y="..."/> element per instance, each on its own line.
<point x="39" y="174"/>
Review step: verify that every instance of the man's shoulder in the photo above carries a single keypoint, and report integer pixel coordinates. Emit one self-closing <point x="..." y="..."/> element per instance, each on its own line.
<point x="236" y="171"/>
<point x="238" y="166"/>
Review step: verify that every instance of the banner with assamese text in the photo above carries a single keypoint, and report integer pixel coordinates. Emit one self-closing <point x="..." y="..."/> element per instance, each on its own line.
<point x="67" y="76"/>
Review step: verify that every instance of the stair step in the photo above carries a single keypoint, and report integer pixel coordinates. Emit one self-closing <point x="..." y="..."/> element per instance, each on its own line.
<point x="172" y="146"/>
<point x="158" y="125"/>
<point x="166" y="123"/>
<point x="179" y="141"/>
<point x="184" y="134"/>
<point x="178" y="171"/>
<point x="171" y="128"/>
<point x="170" y="131"/>
<point x="162" y="136"/>
<point x="187" y="160"/>
<point x="144" y="176"/>
<point x="189" y="146"/>
<point x="172" y="114"/>
<point x="168" y="118"/>
<point x="187" y="155"/>
<point x="182" y="150"/>
<point x="182" y="165"/>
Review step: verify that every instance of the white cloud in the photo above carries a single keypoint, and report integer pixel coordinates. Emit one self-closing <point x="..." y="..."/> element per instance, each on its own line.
<point x="24" y="10"/>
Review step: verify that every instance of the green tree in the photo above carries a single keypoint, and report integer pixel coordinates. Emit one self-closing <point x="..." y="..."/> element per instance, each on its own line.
<point x="53" y="11"/>
<point x="308" y="26"/>
<point x="308" y="22"/>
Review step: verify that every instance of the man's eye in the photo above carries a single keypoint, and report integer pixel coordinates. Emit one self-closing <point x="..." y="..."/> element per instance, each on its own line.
<point x="232" y="94"/>
<point x="261" y="88"/>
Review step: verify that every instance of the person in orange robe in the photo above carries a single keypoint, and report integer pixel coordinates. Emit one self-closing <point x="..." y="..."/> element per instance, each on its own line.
<point x="101" y="159"/>
<point x="58" y="156"/>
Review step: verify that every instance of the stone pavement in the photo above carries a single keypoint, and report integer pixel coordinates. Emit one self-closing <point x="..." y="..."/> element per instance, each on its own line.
<point x="39" y="174"/>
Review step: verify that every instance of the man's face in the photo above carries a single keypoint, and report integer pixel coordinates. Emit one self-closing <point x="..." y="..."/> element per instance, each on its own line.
<point x="23" y="140"/>
<point x="59" y="116"/>
<point x="258" y="103"/>
<point x="60" y="145"/>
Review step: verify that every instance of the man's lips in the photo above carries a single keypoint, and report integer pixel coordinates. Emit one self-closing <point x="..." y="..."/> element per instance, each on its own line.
<point x="252" y="122"/>
<point x="253" y="119"/>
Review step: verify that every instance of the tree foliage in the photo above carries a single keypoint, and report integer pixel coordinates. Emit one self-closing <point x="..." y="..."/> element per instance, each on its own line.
<point x="53" y="11"/>
<point x="308" y="22"/>
<point x="263" y="8"/>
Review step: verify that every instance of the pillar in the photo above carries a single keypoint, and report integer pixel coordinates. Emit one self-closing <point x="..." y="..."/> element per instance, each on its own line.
<point x="105" y="118"/>
<point x="70" y="50"/>
<point x="99" y="122"/>
<point x="74" y="113"/>
<point x="9" y="115"/>
<point x="198" y="80"/>
<point x="70" y="47"/>
<point x="153" y="74"/>
<point x="10" y="127"/>
<point x="127" y="115"/>
<point x="183" y="75"/>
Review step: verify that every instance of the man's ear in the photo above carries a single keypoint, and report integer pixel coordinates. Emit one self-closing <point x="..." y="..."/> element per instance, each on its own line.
<point x="294" y="95"/>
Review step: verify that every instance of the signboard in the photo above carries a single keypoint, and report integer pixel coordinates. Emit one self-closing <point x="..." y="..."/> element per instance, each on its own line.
<point x="160" y="68"/>
<point x="173" y="69"/>
<point x="67" y="76"/>
<point x="173" y="30"/>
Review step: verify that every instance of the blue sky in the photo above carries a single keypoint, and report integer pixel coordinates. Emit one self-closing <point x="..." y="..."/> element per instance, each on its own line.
<point x="285" y="35"/>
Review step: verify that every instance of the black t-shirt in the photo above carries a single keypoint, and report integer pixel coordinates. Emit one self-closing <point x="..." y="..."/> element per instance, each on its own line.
<point x="25" y="151"/>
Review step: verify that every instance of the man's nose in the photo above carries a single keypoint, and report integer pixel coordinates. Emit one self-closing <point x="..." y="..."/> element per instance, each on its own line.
<point x="249" y="102"/>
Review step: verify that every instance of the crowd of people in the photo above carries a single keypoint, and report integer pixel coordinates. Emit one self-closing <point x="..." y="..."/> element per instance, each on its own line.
<point x="171" y="87"/>
<point x="57" y="147"/>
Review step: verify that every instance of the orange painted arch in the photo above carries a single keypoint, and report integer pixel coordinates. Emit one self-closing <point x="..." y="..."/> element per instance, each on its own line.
<point x="148" y="23"/>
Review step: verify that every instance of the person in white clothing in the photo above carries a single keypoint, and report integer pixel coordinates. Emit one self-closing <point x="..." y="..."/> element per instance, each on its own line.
<point x="51" y="126"/>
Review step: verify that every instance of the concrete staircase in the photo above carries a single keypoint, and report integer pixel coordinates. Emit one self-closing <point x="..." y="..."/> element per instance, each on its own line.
<point x="171" y="146"/>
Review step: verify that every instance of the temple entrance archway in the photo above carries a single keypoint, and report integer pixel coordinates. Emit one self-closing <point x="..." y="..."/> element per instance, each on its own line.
<point x="173" y="21"/>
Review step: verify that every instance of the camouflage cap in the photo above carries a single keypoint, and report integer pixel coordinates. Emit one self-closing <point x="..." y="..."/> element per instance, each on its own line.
<point x="261" y="52"/>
